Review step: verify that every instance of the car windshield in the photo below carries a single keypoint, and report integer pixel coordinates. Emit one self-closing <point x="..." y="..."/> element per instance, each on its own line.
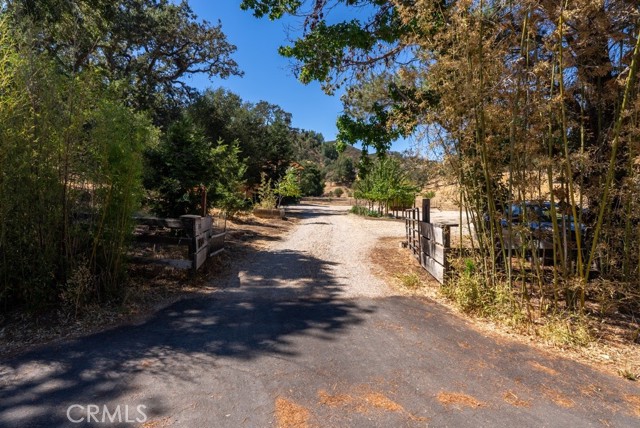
<point x="539" y="213"/>
<point x="534" y="212"/>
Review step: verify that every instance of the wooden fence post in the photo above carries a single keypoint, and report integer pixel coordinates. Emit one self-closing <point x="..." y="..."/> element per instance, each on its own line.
<point x="426" y="210"/>
<point x="200" y="231"/>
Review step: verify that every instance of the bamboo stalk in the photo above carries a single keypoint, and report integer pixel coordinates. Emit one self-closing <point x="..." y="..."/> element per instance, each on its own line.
<point x="614" y="151"/>
<point x="567" y="165"/>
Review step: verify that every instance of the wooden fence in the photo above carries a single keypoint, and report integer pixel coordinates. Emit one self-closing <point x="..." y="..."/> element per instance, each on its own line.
<point x="194" y="231"/>
<point x="429" y="243"/>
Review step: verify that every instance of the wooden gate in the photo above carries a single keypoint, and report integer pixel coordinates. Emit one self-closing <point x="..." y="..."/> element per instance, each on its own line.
<point x="429" y="243"/>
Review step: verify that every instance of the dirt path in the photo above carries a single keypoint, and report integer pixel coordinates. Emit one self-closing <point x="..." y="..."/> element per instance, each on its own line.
<point x="327" y="254"/>
<point x="302" y="334"/>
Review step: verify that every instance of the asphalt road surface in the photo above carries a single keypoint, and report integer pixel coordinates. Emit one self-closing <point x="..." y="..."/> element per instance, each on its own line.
<point x="302" y="334"/>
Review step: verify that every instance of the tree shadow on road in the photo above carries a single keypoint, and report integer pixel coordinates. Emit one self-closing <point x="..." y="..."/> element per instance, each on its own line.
<point x="307" y="211"/>
<point x="264" y="305"/>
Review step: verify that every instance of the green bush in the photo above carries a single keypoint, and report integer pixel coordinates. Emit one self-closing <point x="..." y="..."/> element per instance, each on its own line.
<point x="386" y="184"/>
<point x="311" y="180"/>
<point x="364" y="211"/>
<point x="266" y="194"/>
<point x="470" y="291"/>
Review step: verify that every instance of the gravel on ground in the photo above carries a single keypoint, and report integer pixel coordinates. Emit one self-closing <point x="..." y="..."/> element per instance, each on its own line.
<point x="328" y="242"/>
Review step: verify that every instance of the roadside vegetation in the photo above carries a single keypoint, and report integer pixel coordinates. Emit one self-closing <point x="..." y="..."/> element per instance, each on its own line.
<point x="98" y="124"/>
<point x="521" y="101"/>
<point x="385" y="186"/>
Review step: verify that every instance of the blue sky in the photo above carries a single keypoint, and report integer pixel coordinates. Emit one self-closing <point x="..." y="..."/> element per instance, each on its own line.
<point x="266" y="74"/>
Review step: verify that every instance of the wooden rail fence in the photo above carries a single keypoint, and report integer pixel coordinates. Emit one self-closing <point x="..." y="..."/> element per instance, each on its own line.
<point x="429" y="243"/>
<point x="194" y="231"/>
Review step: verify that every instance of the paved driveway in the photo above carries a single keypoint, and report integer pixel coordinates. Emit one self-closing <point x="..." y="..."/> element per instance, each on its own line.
<point x="302" y="334"/>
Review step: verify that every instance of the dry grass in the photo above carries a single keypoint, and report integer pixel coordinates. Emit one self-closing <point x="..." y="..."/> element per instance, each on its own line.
<point x="446" y="196"/>
<point x="401" y="270"/>
<point x="290" y="414"/>
<point x="458" y="399"/>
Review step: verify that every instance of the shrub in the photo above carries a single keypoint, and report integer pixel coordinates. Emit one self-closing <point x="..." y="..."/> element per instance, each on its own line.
<point x="288" y="186"/>
<point x="470" y="291"/>
<point x="311" y="180"/>
<point x="364" y="211"/>
<point x="266" y="194"/>
<point x="68" y="186"/>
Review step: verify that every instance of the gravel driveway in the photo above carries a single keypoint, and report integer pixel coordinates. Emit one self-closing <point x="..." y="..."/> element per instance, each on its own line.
<point x="339" y="241"/>
<point x="302" y="334"/>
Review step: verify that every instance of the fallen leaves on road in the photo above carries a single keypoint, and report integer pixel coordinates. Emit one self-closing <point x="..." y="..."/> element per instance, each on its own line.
<point x="291" y="415"/>
<point x="511" y="398"/>
<point x="558" y="398"/>
<point x="539" y="367"/>
<point x="363" y="399"/>
<point x="459" y="399"/>
<point x="381" y="401"/>
<point x="634" y="401"/>
<point x="336" y="400"/>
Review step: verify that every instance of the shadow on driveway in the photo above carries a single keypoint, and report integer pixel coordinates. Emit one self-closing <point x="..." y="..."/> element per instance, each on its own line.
<point x="259" y="313"/>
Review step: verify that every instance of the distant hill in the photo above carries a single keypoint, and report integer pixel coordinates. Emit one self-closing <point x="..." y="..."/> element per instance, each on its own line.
<point x="350" y="152"/>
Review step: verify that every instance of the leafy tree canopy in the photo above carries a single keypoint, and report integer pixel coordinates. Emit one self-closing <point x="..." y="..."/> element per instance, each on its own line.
<point x="311" y="180"/>
<point x="263" y="131"/>
<point x="150" y="45"/>
<point x="367" y="41"/>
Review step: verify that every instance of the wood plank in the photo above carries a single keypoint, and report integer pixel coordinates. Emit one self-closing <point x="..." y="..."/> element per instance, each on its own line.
<point x="426" y="210"/>
<point x="172" y="223"/>
<point x="435" y="233"/>
<point x="200" y="242"/>
<point x="433" y="250"/>
<point x="215" y="253"/>
<point x="433" y="267"/>
<point x="216" y="242"/>
<point x="195" y="224"/>
<point x="200" y="257"/>
<point x="206" y="224"/>
<point x="164" y="240"/>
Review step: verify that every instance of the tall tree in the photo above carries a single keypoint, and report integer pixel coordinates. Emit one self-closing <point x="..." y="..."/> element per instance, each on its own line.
<point x="263" y="131"/>
<point x="151" y="46"/>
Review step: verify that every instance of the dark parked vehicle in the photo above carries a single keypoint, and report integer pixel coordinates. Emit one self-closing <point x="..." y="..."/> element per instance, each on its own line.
<point x="532" y="229"/>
